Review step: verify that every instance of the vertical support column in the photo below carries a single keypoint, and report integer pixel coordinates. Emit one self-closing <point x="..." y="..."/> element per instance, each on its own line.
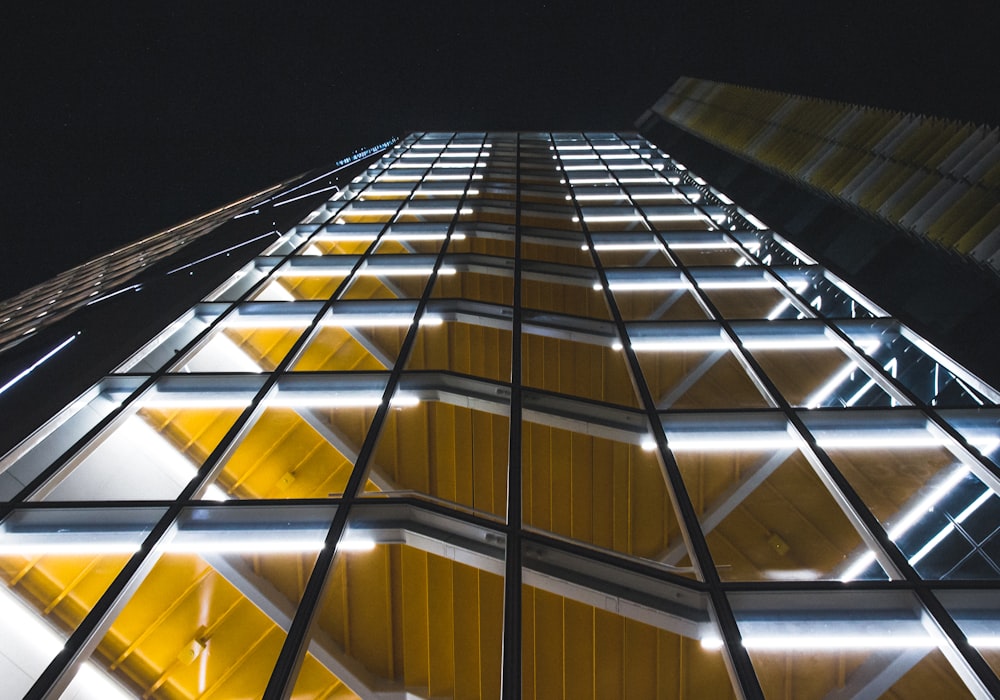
<point x="510" y="683"/>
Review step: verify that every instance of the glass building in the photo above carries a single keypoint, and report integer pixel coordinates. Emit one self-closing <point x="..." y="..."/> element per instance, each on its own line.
<point x="531" y="415"/>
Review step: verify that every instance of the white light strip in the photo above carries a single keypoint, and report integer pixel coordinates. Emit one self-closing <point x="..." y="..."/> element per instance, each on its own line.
<point x="727" y="443"/>
<point x="193" y="400"/>
<point x="423" y="237"/>
<point x="598" y="197"/>
<point x="647" y="285"/>
<point x="277" y="545"/>
<point x="789" y="343"/>
<point x="823" y="393"/>
<point x="326" y="400"/>
<point x="680" y="345"/>
<point x="658" y="196"/>
<point x="364" y="321"/>
<point x="445" y="193"/>
<point x="440" y="211"/>
<point x="403" y="271"/>
<point x="652" y="245"/>
<point x="736" y="284"/>
<point x="34" y="365"/>
<point x="909" y="520"/>
<point x="450" y="178"/>
<point x="356" y="544"/>
<point x="806" y="642"/>
<point x="947" y="529"/>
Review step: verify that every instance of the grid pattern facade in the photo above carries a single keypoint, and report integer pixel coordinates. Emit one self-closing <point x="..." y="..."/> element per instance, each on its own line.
<point x="520" y="415"/>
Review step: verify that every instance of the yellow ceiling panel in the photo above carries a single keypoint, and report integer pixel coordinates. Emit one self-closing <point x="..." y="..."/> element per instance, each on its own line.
<point x="606" y="493"/>
<point x="417" y="620"/>
<point x="581" y="369"/>
<point x="283" y="455"/>
<point x="63" y="587"/>
<point x="267" y="346"/>
<point x="462" y="347"/>
<point x="573" y="650"/>
<point x="193" y="431"/>
<point x="445" y="451"/>
<point x="347" y="349"/>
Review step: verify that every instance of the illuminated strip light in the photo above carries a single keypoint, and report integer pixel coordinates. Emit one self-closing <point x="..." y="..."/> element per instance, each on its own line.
<point x="403" y="271"/>
<point x="609" y="218"/>
<point x="445" y="193"/>
<point x="824" y="392"/>
<point x="779" y="343"/>
<point x="651" y="245"/>
<point x="366" y="212"/>
<point x="806" y="642"/>
<point x="910" y="519"/>
<point x="385" y="193"/>
<point x="597" y="197"/>
<point x="450" y="178"/>
<point x="358" y="399"/>
<point x="576" y="168"/>
<point x="45" y="640"/>
<point x="275" y="321"/>
<point x="646" y="285"/>
<point x="680" y="345"/>
<point x="676" y="217"/>
<point x="423" y="236"/>
<point x="707" y="245"/>
<point x="736" y="284"/>
<point x="663" y="195"/>
<point x="439" y="211"/>
<point x="134" y="287"/>
<point x="590" y="181"/>
<point x="356" y="544"/>
<point x="333" y="236"/>
<point x="947" y="529"/>
<point x="726" y="443"/>
<point x="224" y="250"/>
<point x="193" y="400"/>
<point x="37" y="363"/>
<point x="360" y="321"/>
<point x="279" y="544"/>
<point x="647" y="180"/>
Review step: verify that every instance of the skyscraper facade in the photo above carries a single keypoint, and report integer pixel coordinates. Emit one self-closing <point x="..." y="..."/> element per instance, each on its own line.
<point x="509" y="415"/>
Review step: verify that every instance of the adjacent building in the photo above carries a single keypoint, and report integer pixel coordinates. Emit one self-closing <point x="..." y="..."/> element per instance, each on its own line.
<point x="497" y="415"/>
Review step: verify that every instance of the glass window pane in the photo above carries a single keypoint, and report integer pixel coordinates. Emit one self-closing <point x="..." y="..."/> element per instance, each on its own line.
<point x="463" y="347"/>
<point x="419" y="616"/>
<point x="573" y="648"/>
<point x="446" y="451"/>
<point x="563" y="298"/>
<point x="765" y="513"/>
<point x="852" y="644"/>
<point x="587" y="370"/>
<point x="54" y="566"/>
<point x="601" y="491"/>
<point x="210" y="618"/>
<point x="691" y="379"/>
<point x="931" y="504"/>
<point x="153" y="453"/>
<point x="662" y="305"/>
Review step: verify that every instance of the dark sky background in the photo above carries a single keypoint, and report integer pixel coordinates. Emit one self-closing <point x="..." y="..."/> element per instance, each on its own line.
<point x="116" y="122"/>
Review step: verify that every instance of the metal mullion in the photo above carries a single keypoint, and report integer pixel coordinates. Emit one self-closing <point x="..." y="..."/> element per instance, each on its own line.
<point x="286" y="667"/>
<point x="741" y="667"/>
<point x="510" y="670"/>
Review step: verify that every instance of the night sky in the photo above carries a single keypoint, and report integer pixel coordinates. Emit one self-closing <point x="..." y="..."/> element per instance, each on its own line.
<point x="121" y="121"/>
